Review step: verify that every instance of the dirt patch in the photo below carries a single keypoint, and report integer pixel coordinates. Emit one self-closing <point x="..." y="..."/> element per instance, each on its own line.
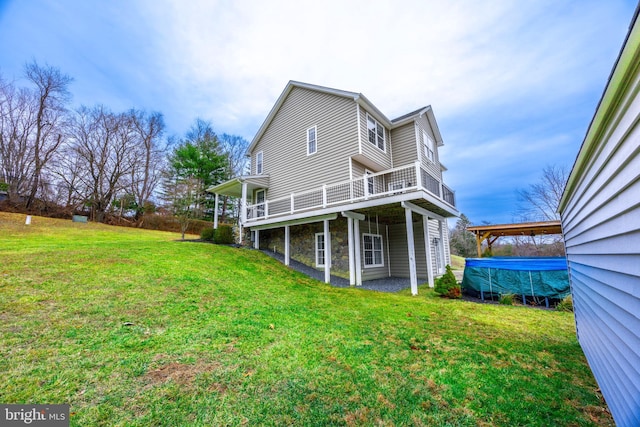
<point x="179" y="373"/>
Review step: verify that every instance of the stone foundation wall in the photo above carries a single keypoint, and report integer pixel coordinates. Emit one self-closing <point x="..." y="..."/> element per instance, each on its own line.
<point x="303" y="241"/>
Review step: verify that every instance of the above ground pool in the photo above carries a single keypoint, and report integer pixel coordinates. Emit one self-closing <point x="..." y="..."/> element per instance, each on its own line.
<point x="537" y="279"/>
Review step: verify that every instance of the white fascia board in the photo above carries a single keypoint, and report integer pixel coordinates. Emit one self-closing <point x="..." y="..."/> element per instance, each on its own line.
<point x="308" y="220"/>
<point x="421" y="211"/>
<point x="353" y="215"/>
<point x="398" y="198"/>
<point x="373" y="110"/>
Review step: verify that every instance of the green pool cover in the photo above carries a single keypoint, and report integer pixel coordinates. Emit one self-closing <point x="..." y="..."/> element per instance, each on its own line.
<point x="543" y="277"/>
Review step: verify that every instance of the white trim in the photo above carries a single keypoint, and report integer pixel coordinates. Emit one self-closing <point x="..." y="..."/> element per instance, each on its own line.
<point x="297" y="221"/>
<point x="427" y="250"/>
<point x="373" y="250"/>
<point x="359" y="129"/>
<point x="396" y="198"/>
<point x="353" y="215"/>
<point x="417" y="132"/>
<point x="264" y="203"/>
<point x="315" y="142"/>
<point x="318" y="253"/>
<point x="388" y="250"/>
<point x="259" y="162"/>
<point x="384" y="134"/>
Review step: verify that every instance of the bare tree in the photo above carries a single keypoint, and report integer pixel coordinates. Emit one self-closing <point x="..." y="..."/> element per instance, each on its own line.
<point x="104" y="143"/>
<point x="17" y="121"/>
<point x="236" y="149"/>
<point x="539" y="201"/>
<point x="151" y="152"/>
<point x="51" y="95"/>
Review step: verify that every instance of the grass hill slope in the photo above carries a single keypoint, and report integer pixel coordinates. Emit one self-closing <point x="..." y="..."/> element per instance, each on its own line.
<point x="132" y="327"/>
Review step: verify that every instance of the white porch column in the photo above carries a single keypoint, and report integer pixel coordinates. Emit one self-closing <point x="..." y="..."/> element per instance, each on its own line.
<point x="427" y="249"/>
<point x="243" y="210"/>
<point x="327" y="252"/>
<point x="256" y="239"/>
<point x="357" y="259"/>
<point x="286" y="245"/>
<point x="215" y="214"/>
<point x="352" y="264"/>
<point x="411" y="252"/>
<point x="444" y="260"/>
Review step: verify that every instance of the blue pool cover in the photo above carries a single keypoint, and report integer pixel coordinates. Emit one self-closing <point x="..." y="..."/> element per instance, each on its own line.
<point x="520" y="264"/>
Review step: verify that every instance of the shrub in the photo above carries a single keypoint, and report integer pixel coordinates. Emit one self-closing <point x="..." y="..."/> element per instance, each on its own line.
<point x="206" y="234"/>
<point x="223" y="235"/>
<point x="506" y="299"/>
<point x="447" y="285"/>
<point x="566" y="304"/>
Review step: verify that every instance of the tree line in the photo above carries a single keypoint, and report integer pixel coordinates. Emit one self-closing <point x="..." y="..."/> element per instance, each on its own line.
<point x="105" y="163"/>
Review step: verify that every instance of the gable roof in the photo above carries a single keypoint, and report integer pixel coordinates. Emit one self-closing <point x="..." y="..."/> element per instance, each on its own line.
<point x="358" y="98"/>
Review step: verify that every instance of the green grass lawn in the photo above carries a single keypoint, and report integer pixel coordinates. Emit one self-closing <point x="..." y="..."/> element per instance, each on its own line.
<point x="132" y="327"/>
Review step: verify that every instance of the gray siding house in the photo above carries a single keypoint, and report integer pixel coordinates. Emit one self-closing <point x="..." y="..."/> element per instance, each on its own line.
<point x="338" y="186"/>
<point x="600" y="211"/>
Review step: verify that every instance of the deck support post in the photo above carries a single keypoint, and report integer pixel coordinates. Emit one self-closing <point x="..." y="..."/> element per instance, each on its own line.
<point x="427" y="250"/>
<point x="411" y="252"/>
<point x="357" y="257"/>
<point x="243" y="211"/>
<point x="256" y="239"/>
<point x="286" y="245"/>
<point x="215" y="213"/>
<point x="352" y="263"/>
<point x="327" y="252"/>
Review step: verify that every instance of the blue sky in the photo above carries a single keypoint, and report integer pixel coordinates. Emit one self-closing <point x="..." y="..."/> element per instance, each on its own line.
<point x="513" y="84"/>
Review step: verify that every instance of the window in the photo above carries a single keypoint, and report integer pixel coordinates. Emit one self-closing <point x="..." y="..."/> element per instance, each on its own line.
<point x="259" y="163"/>
<point x="428" y="147"/>
<point x="372" y="246"/>
<point x="312" y="142"/>
<point x="376" y="132"/>
<point x="259" y="203"/>
<point x="319" y="249"/>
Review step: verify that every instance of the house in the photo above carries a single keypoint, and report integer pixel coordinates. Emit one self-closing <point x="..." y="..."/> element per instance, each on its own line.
<point x="600" y="211"/>
<point x="327" y="162"/>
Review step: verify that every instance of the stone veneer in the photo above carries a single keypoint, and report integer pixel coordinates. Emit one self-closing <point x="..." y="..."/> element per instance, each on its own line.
<point x="303" y="240"/>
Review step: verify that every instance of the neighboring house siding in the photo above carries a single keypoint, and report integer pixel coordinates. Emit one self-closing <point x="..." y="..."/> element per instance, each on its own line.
<point x="284" y="143"/>
<point x="433" y="167"/>
<point x="600" y="214"/>
<point x="404" y="145"/>
<point x="382" y="158"/>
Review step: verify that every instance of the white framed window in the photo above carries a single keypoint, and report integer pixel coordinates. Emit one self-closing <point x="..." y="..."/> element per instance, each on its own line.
<point x="372" y="248"/>
<point x="319" y="249"/>
<point x="260" y="203"/>
<point x="259" y="165"/>
<point x="312" y="140"/>
<point x="375" y="132"/>
<point x="429" y="147"/>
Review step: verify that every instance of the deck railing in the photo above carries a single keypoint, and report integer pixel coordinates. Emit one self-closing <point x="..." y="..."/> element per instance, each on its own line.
<point x="371" y="186"/>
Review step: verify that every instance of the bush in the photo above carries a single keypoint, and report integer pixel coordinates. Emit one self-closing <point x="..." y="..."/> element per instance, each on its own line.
<point x="566" y="304"/>
<point x="506" y="299"/>
<point x="223" y="235"/>
<point x="206" y="234"/>
<point x="447" y="285"/>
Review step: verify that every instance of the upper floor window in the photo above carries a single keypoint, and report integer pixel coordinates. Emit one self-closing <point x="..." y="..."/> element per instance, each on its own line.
<point x="259" y="167"/>
<point x="312" y="140"/>
<point x="376" y="132"/>
<point x="372" y="248"/>
<point x="429" y="147"/>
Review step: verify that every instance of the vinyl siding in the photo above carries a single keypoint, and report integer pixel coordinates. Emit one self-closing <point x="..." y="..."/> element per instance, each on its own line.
<point x="400" y="257"/>
<point x="382" y="158"/>
<point x="601" y="224"/>
<point x="284" y="143"/>
<point x="433" y="167"/>
<point x="404" y="145"/>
